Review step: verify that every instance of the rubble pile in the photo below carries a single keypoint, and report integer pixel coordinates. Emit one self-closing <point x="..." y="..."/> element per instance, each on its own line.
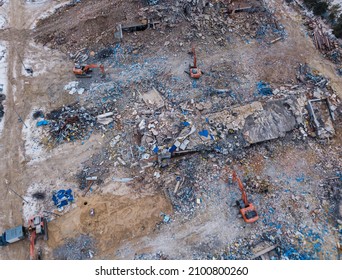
<point x="258" y="185"/>
<point x="70" y="123"/>
<point x="215" y="19"/>
<point x="163" y="131"/>
<point x="322" y="103"/>
<point x="323" y="38"/>
<point x="81" y="248"/>
<point x="288" y="247"/>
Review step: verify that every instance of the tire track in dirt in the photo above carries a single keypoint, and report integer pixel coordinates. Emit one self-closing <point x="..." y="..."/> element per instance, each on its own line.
<point x="19" y="99"/>
<point x="11" y="135"/>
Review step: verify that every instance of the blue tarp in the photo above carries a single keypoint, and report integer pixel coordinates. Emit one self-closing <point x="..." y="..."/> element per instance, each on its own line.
<point x="42" y="122"/>
<point x="172" y="149"/>
<point x="204" y="133"/>
<point x="62" y="197"/>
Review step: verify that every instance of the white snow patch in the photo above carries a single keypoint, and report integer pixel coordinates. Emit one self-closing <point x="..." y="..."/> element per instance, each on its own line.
<point x="35" y="58"/>
<point x="47" y="13"/>
<point x="32" y="137"/>
<point x="337" y="2"/>
<point x="3" y="15"/>
<point x="35" y="206"/>
<point x="3" y="78"/>
<point x="2" y="22"/>
<point x="72" y="88"/>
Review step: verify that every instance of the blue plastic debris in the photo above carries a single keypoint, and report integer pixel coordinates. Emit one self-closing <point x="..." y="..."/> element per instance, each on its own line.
<point x="155" y="149"/>
<point x="141" y="149"/>
<point x="173" y="148"/>
<point x="42" y="122"/>
<point x="153" y="2"/>
<point x="166" y="219"/>
<point x="264" y="88"/>
<point x="300" y="179"/>
<point x="218" y="149"/>
<point x="62" y="197"/>
<point x="186" y="123"/>
<point x="204" y="133"/>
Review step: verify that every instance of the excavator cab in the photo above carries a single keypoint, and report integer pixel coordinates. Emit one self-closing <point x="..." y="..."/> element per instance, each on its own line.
<point x="82" y="71"/>
<point x="249" y="214"/>
<point x="195" y="73"/>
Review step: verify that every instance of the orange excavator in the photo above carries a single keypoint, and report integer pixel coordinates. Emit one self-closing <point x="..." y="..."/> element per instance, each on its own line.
<point x="247" y="210"/>
<point x="82" y="71"/>
<point x="37" y="226"/>
<point x="194" y="71"/>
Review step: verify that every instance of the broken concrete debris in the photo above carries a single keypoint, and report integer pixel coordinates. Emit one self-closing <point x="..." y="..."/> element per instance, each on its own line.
<point x="105" y="118"/>
<point x="71" y="123"/>
<point x="322" y="117"/>
<point x="153" y="130"/>
<point x="153" y="99"/>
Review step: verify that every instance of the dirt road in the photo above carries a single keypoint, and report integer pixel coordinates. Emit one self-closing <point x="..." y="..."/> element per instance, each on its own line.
<point x="21" y="93"/>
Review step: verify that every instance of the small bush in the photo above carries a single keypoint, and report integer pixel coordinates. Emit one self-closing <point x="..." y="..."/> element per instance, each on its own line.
<point x="310" y="3"/>
<point x="334" y="10"/>
<point x="320" y="8"/>
<point x="338" y="30"/>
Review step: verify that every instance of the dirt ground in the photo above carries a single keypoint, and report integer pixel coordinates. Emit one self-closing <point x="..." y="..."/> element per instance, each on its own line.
<point x="128" y="221"/>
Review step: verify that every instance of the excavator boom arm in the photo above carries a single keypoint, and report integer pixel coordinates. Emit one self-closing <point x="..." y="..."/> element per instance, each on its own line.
<point x="195" y="59"/>
<point x="242" y="189"/>
<point x="90" y="66"/>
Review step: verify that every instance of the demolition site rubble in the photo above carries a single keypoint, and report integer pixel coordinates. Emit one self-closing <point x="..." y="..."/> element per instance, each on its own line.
<point x="173" y="113"/>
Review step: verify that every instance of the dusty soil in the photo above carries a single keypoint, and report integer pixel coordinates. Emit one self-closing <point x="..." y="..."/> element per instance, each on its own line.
<point x="116" y="219"/>
<point x="86" y="24"/>
<point x="127" y="219"/>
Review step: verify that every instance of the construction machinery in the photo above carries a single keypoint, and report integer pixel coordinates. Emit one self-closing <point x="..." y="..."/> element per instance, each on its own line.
<point x="83" y="71"/>
<point x="247" y="209"/>
<point x="12" y="235"/>
<point x="194" y="71"/>
<point x="37" y="226"/>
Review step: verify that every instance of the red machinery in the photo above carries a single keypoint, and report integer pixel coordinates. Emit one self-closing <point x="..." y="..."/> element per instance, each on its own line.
<point x="194" y="71"/>
<point x="82" y="71"/>
<point x="247" y="210"/>
<point x="37" y="226"/>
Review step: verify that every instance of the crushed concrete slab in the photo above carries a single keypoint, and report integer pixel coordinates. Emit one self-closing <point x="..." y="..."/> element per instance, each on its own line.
<point x="277" y="118"/>
<point x="153" y="99"/>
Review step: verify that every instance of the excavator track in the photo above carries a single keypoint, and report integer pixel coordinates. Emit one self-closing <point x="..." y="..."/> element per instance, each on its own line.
<point x="83" y="76"/>
<point x="46" y="234"/>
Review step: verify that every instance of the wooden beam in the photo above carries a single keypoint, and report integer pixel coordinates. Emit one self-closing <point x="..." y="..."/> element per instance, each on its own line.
<point x="264" y="251"/>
